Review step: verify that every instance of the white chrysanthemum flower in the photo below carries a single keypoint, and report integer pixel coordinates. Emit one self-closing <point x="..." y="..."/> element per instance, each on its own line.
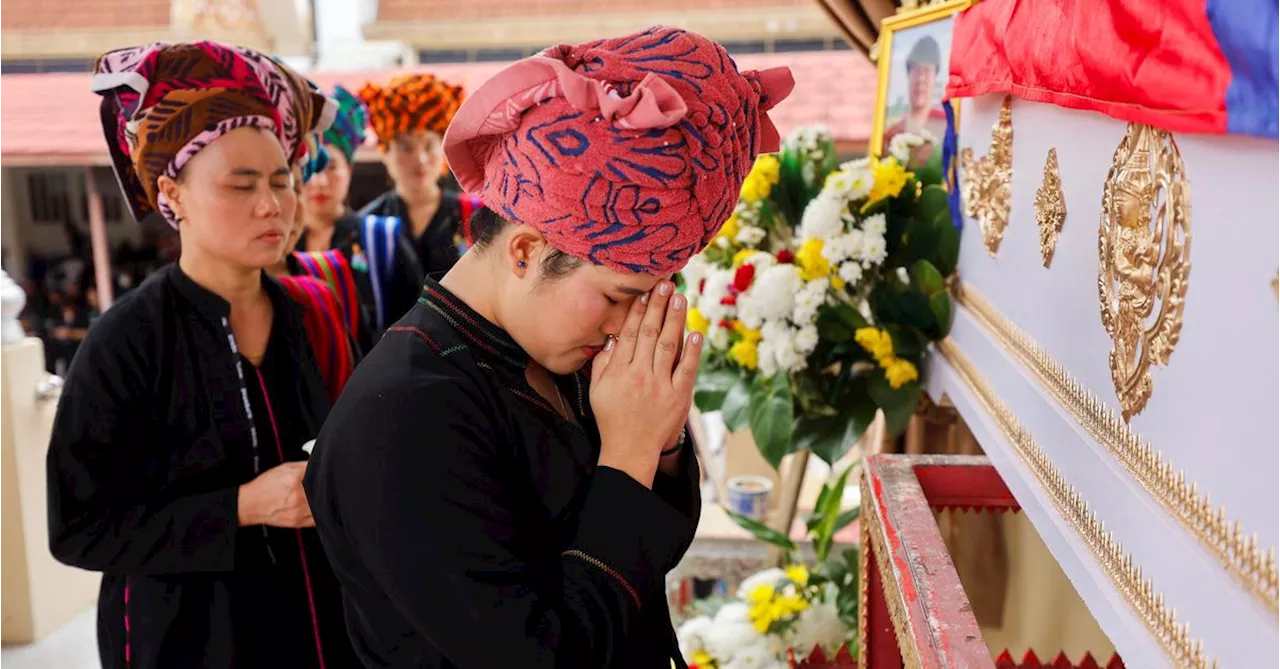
<point x="851" y="272"/>
<point x="873" y="249"/>
<point x="715" y="287"/>
<point x="696" y="270"/>
<point x="807" y="339"/>
<point x="820" y="625"/>
<point x="767" y="358"/>
<point x="789" y="359"/>
<point x="749" y="235"/>
<point x="760" y="260"/>
<point x="856" y="165"/>
<point x="903" y="276"/>
<point x="761" y="655"/>
<point x="875" y="225"/>
<point x="772" y="295"/>
<point x="824" y="217"/>
<point x="843" y="247"/>
<point x="770" y="577"/>
<point x="692" y="636"/>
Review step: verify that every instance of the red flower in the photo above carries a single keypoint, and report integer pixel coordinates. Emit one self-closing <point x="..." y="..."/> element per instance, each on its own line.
<point x="786" y="256"/>
<point x="726" y="323"/>
<point x="729" y="300"/>
<point x="702" y="284"/>
<point x="742" y="278"/>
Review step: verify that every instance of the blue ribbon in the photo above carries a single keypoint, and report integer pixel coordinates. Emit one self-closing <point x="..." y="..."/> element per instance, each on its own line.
<point x="949" y="168"/>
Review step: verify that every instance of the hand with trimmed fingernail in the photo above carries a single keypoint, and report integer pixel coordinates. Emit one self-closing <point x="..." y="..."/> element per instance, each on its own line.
<point x="642" y="383"/>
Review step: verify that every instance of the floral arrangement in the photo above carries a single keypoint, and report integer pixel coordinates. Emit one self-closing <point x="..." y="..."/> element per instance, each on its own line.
<point x="821" y="292"/>
<point x="800" y="606"/>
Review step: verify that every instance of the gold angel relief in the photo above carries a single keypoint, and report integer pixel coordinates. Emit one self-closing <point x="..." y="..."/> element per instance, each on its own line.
<point x="1144" y="259"/>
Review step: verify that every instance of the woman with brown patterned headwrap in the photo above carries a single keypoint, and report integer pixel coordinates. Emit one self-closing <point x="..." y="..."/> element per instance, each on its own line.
<point x="409" y="116"/>
<point x="177" y="453"/>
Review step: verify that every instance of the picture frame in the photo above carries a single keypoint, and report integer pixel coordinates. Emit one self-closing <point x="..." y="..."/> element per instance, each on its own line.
<point x="909" y="43"/>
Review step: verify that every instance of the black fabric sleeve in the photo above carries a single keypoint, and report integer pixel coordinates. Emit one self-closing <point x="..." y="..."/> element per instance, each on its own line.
<point x="416" y="479"/>
<point x="103" y="515"/>
<point x="683" y="493"/>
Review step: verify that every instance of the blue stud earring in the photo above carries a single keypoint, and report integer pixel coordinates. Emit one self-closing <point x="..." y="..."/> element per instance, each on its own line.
<point x="521" y="264"/>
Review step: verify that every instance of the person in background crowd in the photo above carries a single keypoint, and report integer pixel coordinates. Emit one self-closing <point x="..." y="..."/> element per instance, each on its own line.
<point x="368" y="263"/>
<point x="409" y="116"/>
<point x="490" y="492"/>
<point x="329" y="326"/>
<point x="176" y="457"/>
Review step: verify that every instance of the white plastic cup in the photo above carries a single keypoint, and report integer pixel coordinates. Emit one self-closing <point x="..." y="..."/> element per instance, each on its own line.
<point x="749" y="496"/>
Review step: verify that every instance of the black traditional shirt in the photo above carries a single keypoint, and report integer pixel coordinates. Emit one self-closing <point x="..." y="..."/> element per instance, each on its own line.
<point x="469" y="522"/>
<point x="441" y="243"/>
<point x="158" y="425"/>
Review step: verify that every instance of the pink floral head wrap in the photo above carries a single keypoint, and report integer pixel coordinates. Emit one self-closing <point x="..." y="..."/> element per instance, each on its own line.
<point x="627" y="152"/>
<point x="163" y="103"/>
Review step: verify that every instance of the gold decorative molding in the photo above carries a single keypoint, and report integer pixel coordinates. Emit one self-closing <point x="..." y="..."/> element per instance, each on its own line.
<point x="987" y="182"/>
<point x="1144" y="259"/>
<point x="1051" y="208"/>
<point x="864" y="587"/>
<point x="1252" y="565"/>
<point x="892" y="595"/>
<point x="1148" y="604"/>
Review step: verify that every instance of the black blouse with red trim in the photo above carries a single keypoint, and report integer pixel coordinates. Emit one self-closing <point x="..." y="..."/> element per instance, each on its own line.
<point x="469" y="523"/>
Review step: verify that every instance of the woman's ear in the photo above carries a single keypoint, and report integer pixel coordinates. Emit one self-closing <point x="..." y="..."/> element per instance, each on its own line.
<point x="523" y="244"/>
<point x="172" y="195"/>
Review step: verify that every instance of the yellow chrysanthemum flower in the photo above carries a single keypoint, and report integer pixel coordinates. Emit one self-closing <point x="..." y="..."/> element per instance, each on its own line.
<point x="798" y="574"/>
<point x="767" y="166"/>
<point x="746" y="353"/>
<point x="741" y="256"/>
<point x="877" y="342"/>
<point x="890" y="178"/>
<point x="755" y="188"/>
<point x="900" y="372"/>
<point x="703" y="659"/>
<point x="745" y="332"/>
<point x="696" y="321"/>
<point x="812" y="264"/>
<point x="837" y="282"/>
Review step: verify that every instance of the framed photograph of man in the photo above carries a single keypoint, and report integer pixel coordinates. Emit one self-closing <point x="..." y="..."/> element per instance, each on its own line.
<point x="913" y="57"/>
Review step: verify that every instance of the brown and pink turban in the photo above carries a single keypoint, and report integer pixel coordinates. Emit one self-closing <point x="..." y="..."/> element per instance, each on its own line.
<point x="163" y="103"/>
<point x="627" y="152"/>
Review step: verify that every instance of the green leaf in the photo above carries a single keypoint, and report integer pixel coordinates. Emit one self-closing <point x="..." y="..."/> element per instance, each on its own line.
<point x="771" y="415"/>
<point x="898" y="405"/>
<point x="926" y="277"/>
<point x="762" y="532"/>
<point x="712" y="386"/>
<point x="846" y="518"/>
<point x="930" y="172"/>
<point x="829" y="512"/>
<point x="940" y="304"/>
<point x="830" y="438"/>
<point x="948" y="250"/>
<point x="839" y="322"/>
<point x="736" y="407"/>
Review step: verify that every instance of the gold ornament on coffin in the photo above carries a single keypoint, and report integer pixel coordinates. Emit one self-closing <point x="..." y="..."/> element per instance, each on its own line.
<point x="1144" y="259"/>
<point x="1051" y="208"/>
<point x="987" y="184"/>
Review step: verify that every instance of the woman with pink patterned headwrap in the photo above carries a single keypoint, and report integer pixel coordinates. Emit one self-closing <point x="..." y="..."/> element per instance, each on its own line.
<point x="507" y="478"/>
<point x="177" y="453"/>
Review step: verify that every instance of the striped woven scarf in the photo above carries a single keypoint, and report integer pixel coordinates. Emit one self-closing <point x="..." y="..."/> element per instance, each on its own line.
<point x="322" y="320"/>
<point x="332" y="268"/>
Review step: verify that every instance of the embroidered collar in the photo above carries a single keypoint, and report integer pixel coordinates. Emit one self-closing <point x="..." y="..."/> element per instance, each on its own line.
<point x="486" y="339"/>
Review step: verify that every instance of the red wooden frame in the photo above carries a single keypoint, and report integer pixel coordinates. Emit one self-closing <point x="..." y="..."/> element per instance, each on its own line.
<point x="915" y="612"/>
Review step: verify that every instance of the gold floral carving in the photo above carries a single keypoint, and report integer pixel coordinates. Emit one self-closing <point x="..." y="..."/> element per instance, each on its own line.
<point x="987" y="181"/>
<point x="1251" y="564"/>
<point x="1144" y="259"/>
<point x="1051" y="208"/>
<point x="1181" y="648"/>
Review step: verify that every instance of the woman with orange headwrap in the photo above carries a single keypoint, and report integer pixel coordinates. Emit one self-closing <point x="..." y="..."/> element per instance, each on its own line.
<point x="409" y="115"/>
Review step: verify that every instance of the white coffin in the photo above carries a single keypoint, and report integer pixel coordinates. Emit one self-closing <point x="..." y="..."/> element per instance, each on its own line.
<point x="1141" y="514"/>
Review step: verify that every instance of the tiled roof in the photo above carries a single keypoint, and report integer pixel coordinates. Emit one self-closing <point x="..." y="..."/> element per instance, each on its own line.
<point x="54" y="15"/>
<point x="53" y="118"/>
<point x="427" y="10"/>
